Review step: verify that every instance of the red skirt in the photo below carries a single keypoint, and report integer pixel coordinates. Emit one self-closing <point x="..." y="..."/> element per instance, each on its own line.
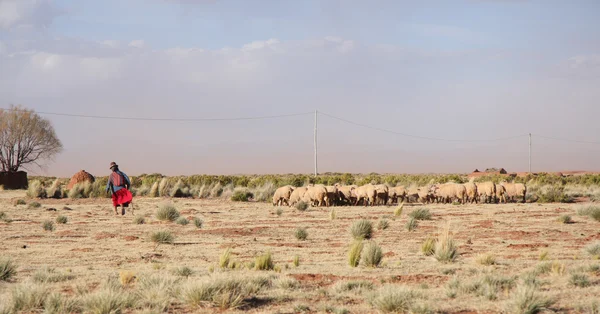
<point x="122" y="197"/>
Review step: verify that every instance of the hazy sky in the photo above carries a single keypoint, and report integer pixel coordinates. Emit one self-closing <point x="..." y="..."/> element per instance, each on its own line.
<point x="469" y="70"/>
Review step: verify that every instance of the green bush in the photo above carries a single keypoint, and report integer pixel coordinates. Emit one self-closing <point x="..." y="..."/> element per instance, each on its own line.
<point x="48" y="225"/>
<point x="241" y="196"/>
<point x="34" y="205"/>
<point x="301" y="206"/>
<point x="62" y="219"/>
<point x="182" y="221"/>
<point x="301" y="234"/>
<point x="420" y="214"/>
<point x="198" y="222"/>
<point x="162" y="237"/>
<point x="264" y="262"/>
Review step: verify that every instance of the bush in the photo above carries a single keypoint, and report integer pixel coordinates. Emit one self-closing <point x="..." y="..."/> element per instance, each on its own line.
<point x="20" y="202"/>
<point x="420" y="214"/>
<point x="48" y="225"/>
<point x="590" y="211"/>
<point x="394" y="300"/>
<point x="301" y="206"/>
<point x="162" y="237"/>
<point x="61" y="219"/>
<point x="445" y="248"/>
<point x="28" y="297"/>
<point x="7" y="269"/>
<point x="182" y="221"/>
<point x="241" y="196"/>
<point x="287" y="283"/>
<point x="278" y="212"/>
<point x="139" y="220"/>
<point x="264" y="262"/>
<point x="579" y="280"/>
<point x="428" y="247"/>
<point x="36" y="190"/>
<point x="198" y="222"/>
<point x="553" y="194"/>
<point x="383" y="224"/>
<point x="167" y="212"/>
<point x="525" y="300"/>
<point x="355" y="253"/>
<point x="412" y="224"/>
<point x="34" y="205"/>
<point x="361" y="229"/>
<point x="301" y="234"/>
<point x="155" y="292"/>
<point x="371" y="255"/>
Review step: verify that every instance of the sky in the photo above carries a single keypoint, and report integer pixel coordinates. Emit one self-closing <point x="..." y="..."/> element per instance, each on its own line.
<point x="400" y="86"/>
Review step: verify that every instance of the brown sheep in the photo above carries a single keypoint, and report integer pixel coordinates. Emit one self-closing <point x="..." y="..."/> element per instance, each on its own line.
<point x="282" y="195"/>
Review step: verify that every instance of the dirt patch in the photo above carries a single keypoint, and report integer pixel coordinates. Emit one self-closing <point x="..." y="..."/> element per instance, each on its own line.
<point x="104" y="235"/>
<point x="130" y="238"/>
<point x="85" y="249"/>
<point x="485" y="224"/>
<point x="239" y="232"/>
<point x="420" y="278"/>
<point x="527" y="245"/>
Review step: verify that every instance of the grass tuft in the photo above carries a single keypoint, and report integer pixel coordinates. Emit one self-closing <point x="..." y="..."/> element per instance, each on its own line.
<point x="580" y="280"/>
<point x="36" y="190"/>
<point x="162" y="237"/>
<point x="7" y="269"/>
<point x="398" y="210"/>
<point x="167" y="212"/>
<point x="594" y="249"/>
<point x="361" y="229"/>
<point x="332" y="214"/>
<point x="198" y="222"/>
<point x="354" y="253"/>
<point x="56" y="303"/>
<point x="126" y="277"/>
<point x="182" y="221"/>
<point x="34" y="205"/>
<point x="225" y="258"/>
<point x="412" y="224"/>
<point x="383" y="224"/>
<point x="50" y="275"/>
<point x="139" y="220"/>
<point x="565" y="219"/>
<point x="183" y="271"/>
<point x="394" y="299"/>
<point x="48" y="225"/>
<point x="420" y="214"/>
<point x="301" y="234"/>
<point x="486" y="259"/>
<point x="62" y="219"/>
<point x="526" y="300"/>
<point x="371" y="255"/>
<point x="264" y="262"/>
<point x="445" y="248"/>
<point x="278" y="212"/>
<point x="296" y="260"/>
<point x="543" y="256"/>
<point x="428" y="247"/>
<point x="301" y="206"/>
<point x="591" y="211"/>
<point x="28" y="297"/>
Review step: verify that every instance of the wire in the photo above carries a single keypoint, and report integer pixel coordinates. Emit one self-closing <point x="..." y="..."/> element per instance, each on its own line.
<point x="163" y="119"/>
<point x="419" y="137"/>
<point x="565" y="140"/>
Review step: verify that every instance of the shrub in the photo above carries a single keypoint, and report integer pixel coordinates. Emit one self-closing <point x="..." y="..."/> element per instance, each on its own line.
<point x="225" y="258"/>
<point x="50" y="275"/>
<point x="354" y="253"/>
<point x="162" y="237"/>
<point x="48" y="225"/>
<point x="36" y="190"/>
<point x="264" y="262"/>
<point x="428" y="247"/>
<point x="301" y="206"/>
<point x="155" y="292"/>
<point x="296" y="260"/>
<point x="182" y="221"/>
<point x="394" y="299"/>
<point x="183" y="271"/>
<point x="107" y="301"/>
<point x="553" y="194"/>
<point x="371" y="255"/>
<point x="445" y="248"/>
<point x="241" y="196"/>
<point x="361" y="229"/>
<point x="198" y="222"/>
<point x="139" y="220"/>
<point x="594" y="249"/>
<point x="420" y="214"/>
<point x="167" y="212"/>
<point x="398" y="210"/>
<point x="383" y="224"/>
<point x="61" y="219"/>
<point x="565" y="219"/>
<point x="7" y="269"/>
<point x="34" y="205"/>
<point x="525" y="300"/>
<point x="412" y="224"/>
<point x="579" y="280"/>
<point x="154" y="190"/>
<point x="223" y="292"/>
<point x="20" y="202"/>
<point x="278" y="212"/>
<point x="287" y="283"/>
<point x="486" y="259"/>
<point x="301" y="234"/>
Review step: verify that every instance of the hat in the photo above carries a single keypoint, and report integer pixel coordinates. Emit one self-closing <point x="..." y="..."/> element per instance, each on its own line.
<point x="113" y="165"/>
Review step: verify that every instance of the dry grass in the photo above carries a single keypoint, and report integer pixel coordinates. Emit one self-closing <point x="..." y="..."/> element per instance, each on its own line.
<point x="486" y="259"/>
<point x="224" y="292"/>
<point x="361" y="229"/>
<point x="48" y="225"/>
<point x="371" y="255"/>
<point x="198" y="222"/>
<point x="139" y="220"/>
<point x="398" y="210"/>
<point x="162" y="237"/>
<point x="391" y="299"/>
<point x="225" y="258"/>
<point x="62" y="219"/>
<point x="428" y="246"/>
<point x="446" y="250"/>
<point x="50" y="275"/>
<point x="526" y="300"/>
<point x="301" y="234"/>
<point x="167" y="212"/>
<point x="8" y="269"/>
<point x="264" y="262"/>
<point x="354" y="253"/>
<point x="420" y="214"/>
<point x="412" y="224"/>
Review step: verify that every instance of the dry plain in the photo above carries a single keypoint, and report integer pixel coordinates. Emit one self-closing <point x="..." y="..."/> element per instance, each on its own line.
<point x="95" y="244"/>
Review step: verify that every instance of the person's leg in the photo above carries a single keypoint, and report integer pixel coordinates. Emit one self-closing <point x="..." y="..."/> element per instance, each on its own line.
<point x="116" y="211"/>
<point x="122" y="210"/>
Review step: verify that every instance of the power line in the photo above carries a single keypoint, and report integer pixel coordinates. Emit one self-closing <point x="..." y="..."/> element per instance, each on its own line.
<point x="565" y="140"/>
<point x="417" y="136"/>
<point x="162" y="119"/>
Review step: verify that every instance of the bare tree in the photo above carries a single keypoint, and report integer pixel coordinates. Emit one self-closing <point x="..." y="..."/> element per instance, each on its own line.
<point x="25" y="138"/>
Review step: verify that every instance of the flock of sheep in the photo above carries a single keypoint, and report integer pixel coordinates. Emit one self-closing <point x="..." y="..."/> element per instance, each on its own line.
<point x="381" y="194"/>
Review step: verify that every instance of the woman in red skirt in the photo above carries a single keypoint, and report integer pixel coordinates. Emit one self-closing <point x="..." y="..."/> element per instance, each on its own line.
<point x="119" y="184"/>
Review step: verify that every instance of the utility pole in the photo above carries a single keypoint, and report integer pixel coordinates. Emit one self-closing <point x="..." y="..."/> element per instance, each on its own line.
<point x="529" y="152"/>
<point x="315" y="144"/>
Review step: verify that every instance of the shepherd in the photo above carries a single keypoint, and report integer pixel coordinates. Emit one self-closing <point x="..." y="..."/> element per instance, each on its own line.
<point x="119" y="184"/>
